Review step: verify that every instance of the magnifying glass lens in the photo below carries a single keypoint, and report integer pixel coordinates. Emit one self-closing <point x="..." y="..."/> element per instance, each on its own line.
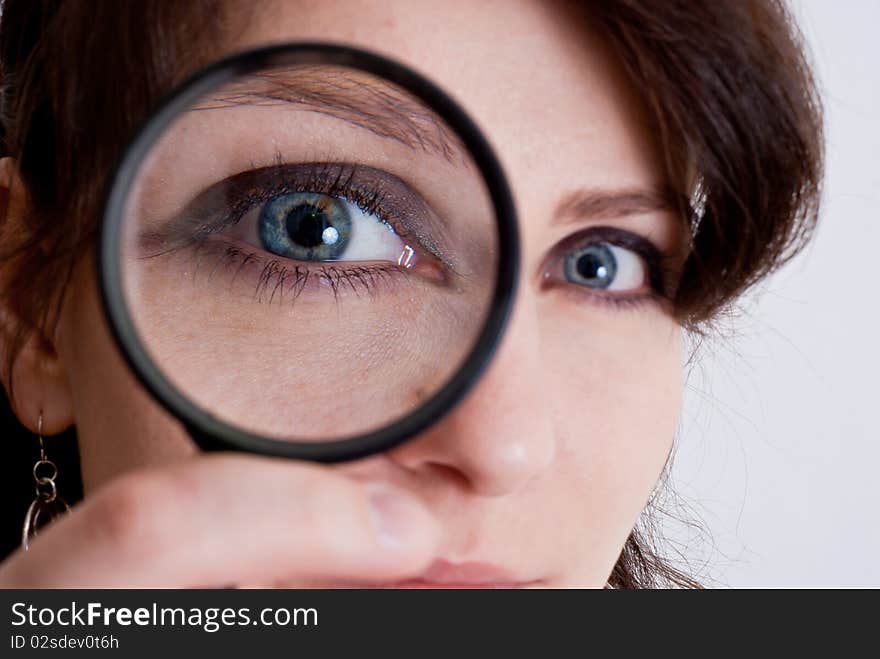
<point x="308" y="252"/>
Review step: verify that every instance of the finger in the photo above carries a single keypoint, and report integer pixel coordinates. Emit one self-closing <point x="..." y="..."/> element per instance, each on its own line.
<point x="230" y="519"/>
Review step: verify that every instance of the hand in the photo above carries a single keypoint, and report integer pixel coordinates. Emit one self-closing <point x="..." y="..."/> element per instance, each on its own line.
<point x="223" y="520"/>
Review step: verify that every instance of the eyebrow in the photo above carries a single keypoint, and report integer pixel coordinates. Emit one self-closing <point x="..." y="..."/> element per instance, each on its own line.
<point x="600" y="204"/>
<point x="382" y="109"/>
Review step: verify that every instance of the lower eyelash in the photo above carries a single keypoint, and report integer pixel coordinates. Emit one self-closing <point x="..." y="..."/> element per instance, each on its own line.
<point x="275" y="278"/>
<point x="277" y="282"/>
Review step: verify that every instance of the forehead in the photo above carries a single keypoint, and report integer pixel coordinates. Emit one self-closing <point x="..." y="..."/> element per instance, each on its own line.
<point x="535" y="75"/>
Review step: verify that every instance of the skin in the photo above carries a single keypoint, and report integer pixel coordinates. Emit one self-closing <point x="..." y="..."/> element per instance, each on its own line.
<point x="541" y="472"/>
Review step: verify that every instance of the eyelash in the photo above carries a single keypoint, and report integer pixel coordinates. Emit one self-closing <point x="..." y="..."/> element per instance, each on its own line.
<point x="325" y="177"/>
<point x="275" y="280"/>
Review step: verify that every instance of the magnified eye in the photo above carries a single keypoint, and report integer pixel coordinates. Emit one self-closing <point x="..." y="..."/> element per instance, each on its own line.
<point x="605" y="266"/>
<point x="317" y="227"/>
<point x="309" y="226"/>
<point x="326" y="224"/>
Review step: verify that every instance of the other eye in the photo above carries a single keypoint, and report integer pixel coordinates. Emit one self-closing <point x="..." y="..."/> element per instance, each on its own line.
<point x="604" y="266"/>
<point x="310" y="226"/>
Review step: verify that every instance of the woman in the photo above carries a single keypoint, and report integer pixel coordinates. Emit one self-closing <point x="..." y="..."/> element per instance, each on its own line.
<point x="684" y="139"/>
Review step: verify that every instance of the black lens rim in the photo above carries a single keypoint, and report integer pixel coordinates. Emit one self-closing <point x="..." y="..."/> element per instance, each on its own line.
<point x="209" y="432"/>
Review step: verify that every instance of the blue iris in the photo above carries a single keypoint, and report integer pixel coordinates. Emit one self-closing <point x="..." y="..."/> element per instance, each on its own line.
<point x="594" y="266"/>
<point x="305" y="226"/>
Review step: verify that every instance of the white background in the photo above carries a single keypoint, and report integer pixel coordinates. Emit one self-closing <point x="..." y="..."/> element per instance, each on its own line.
<point x="778" y="457"/>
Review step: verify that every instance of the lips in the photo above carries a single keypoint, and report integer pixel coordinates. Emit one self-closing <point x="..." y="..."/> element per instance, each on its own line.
<point x="443" y="574"/>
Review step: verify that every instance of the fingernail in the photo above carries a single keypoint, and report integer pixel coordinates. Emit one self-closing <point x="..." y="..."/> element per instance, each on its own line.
<point x="399" y="518"/>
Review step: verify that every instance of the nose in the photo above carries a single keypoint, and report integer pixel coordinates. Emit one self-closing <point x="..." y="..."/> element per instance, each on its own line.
<point x="501" y="436"/>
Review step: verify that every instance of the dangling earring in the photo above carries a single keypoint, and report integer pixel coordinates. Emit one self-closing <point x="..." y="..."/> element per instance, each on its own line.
<point x="47" y="505"/>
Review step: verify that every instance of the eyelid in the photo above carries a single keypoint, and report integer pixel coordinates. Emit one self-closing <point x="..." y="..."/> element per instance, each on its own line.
<point x="654" y="259"/>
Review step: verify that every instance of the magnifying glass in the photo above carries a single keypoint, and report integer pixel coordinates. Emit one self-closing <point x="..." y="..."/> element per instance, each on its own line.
<point x="308" y="251"/>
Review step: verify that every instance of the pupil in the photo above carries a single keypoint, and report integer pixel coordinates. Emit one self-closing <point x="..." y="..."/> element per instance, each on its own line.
<point x="306" y="225"/>
<point x="589" y="266"/>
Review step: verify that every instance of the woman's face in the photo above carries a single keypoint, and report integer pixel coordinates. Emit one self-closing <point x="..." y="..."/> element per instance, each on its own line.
<point x="544" y="468"/>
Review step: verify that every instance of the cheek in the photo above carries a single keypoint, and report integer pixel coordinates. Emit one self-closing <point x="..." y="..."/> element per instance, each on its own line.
<point x="119" y="427"/>
<point x="313" y="365"/>
<point x="616" y="378"/>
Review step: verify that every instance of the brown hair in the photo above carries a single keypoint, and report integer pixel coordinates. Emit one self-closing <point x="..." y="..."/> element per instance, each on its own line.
<point x="727" y="84"/>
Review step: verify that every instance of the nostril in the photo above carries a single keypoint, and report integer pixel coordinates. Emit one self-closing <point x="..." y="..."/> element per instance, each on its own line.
<point x="450" y="474"/>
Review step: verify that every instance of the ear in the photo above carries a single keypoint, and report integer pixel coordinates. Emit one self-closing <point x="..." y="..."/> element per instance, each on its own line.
<point x="36" y="382"/>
